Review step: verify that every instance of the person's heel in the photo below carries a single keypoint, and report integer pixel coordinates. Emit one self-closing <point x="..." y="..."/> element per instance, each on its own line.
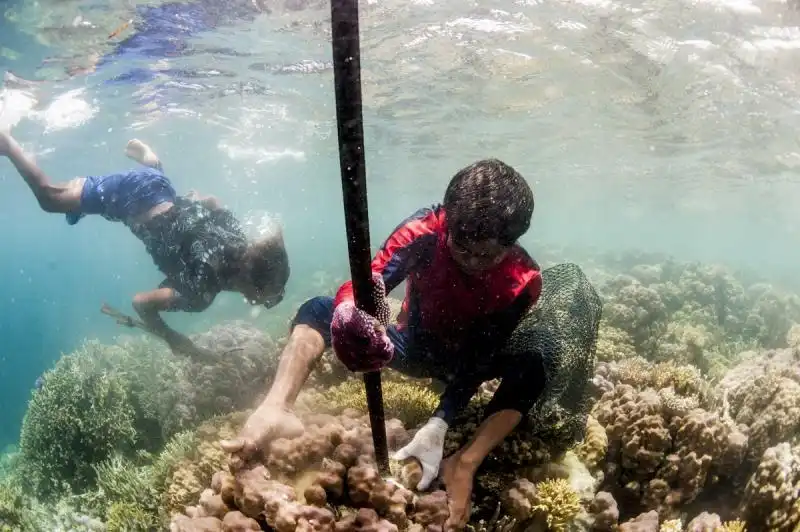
<point x="142" y="154"/>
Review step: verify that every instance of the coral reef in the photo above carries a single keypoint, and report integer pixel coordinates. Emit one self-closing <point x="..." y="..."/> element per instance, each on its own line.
<point x="102" y="401"/>
<point x="402" y="398"/>
<point x="694" y="426"/>
<point x="245" y="364"/>
<point x="131" y="495"/>
<point x="13" y="512"/>
<point x="661" y="438"/>
<point x="688" y="313"/>
<point x="554" y="502"/>
<point x="308" y="482"/>
<point x="592" y="450"/>
<point x="662" y="457"/>
<point x="187" y="478"/>
<point x="81" y="416"/>
<point x="770" y="406"/>
<point x="604" y="512"/>
<point x="128" y="517"/>
<point x="772" y="496"/>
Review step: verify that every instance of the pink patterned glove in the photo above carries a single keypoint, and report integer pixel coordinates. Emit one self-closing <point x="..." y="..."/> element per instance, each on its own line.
<point x="358" y="339"/>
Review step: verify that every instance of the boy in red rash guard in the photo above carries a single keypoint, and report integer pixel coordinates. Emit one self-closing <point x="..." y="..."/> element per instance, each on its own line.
<point x="468" y="285"/>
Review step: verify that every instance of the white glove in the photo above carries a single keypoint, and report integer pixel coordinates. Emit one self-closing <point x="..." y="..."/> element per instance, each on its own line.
<point x="427" y="447"/>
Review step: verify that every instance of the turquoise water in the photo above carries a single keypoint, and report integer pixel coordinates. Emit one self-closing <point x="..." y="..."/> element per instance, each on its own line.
<point x="660" y="126"/>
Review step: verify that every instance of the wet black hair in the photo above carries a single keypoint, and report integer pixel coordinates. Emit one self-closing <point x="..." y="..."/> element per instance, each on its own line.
<point x="488" y="200"/>
<point x="269" y="264"/>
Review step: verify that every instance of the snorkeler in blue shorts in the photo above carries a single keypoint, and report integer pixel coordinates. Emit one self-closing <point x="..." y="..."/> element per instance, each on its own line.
<point x="199" y="246"/>
<point x="163" y="31"/>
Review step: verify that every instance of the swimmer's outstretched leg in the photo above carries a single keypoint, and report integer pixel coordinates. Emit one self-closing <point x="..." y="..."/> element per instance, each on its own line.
<point x="142" y="154"/>
<point x="52" y="197"/>
<point x="12" y="81"/>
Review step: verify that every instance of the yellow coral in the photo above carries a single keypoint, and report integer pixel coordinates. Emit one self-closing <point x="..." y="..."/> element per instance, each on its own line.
<point x="594" y="446"/>
<point x="127" y="517"/>
<point x="193" y="474"/>
<point x="557" y="500"/>
<point x="684" y="378"/>
<point x="673" y="525"/>
<point x="613" y="344"/>
<point x="409" y="402"/>
<point x="734" y="526"/>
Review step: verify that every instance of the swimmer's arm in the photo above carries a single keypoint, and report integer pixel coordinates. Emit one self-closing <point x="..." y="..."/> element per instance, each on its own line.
<point x="149" y="304"/>
<point x="209" y="201"/>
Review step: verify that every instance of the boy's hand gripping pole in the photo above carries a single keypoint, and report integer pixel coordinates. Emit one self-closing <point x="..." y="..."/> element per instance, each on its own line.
<point x="347" y="81"/>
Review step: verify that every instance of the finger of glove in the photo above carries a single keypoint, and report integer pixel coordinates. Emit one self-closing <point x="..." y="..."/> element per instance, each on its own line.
<point x="429" y="472"/>
<point x="350" y="320"/>
<point x="358" y="341"/>
<point x="382" y="310"/>
<point x="350" y="331"/>
<point x="378" y="285"/>
<point x="354" y="360"/>
<point x="404" y="452"/>
<point x="372" y="363"/>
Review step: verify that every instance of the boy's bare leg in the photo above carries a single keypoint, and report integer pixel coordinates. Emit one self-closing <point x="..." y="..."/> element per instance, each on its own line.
<point x="13" y="81"/>
<point x="142" y="154"/>
<point x="52" y="197"/>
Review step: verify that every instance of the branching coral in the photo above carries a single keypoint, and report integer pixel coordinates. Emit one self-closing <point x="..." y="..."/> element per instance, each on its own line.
<point x="409" y="402"/>
<point x="553" y="501"/>
<point x="120" y="481"/>
<point x="614" y="344"/>
<point x="103" y="400"/>
<point x="737" y="525"/>
<point x="127" y="517"/>
<point x="186" y="479"/>
<point x="80" y="417"/>
<point x="151" y="376"/>
<point x="245" y="364"/>
<point x="557" y="501"/>
<point x="15" y="513"/>
<point x="171" y="394"/>
<point x="150" y="488"/>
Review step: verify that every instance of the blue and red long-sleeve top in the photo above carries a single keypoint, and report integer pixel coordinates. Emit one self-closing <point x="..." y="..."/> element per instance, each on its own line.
<point x="461" y="317"/>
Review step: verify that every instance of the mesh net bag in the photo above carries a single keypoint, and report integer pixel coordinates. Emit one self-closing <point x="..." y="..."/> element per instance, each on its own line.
<point x="562" y="329"/>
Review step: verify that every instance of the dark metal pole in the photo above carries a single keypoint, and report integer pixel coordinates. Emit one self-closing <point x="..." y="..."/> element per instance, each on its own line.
<point x="347" y="80"/>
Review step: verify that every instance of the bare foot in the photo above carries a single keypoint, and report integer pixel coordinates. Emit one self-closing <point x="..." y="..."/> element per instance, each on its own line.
<point x="267" y="423"/>
<point x="141" y="153"/>
<point x="458" y="480"/>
